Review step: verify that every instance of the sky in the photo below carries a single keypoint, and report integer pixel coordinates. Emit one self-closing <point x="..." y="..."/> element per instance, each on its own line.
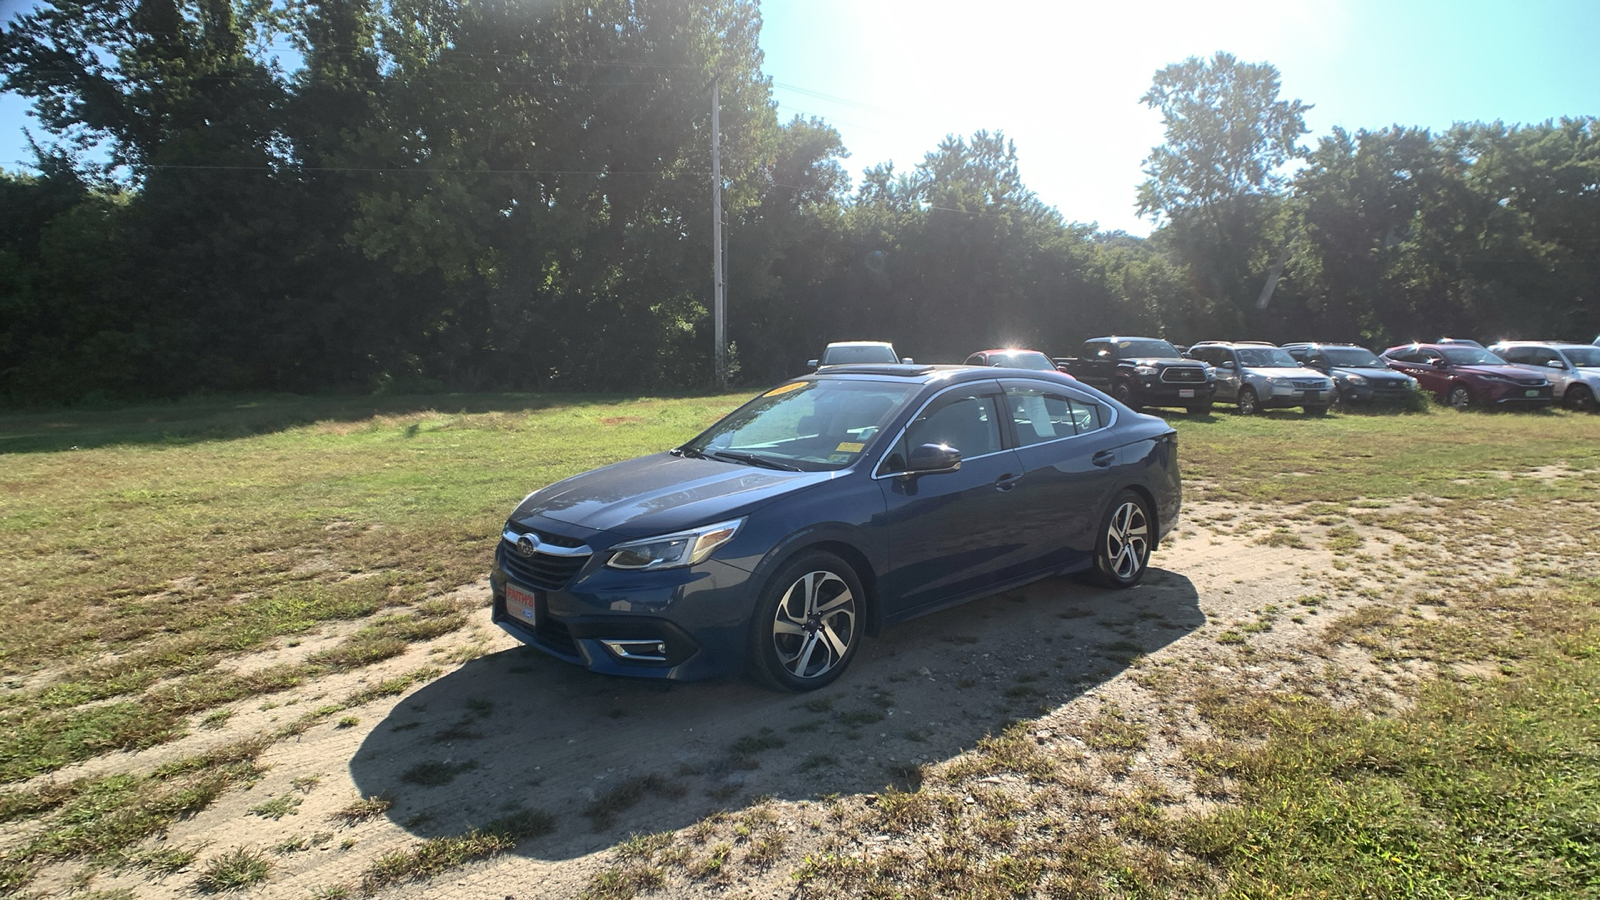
<point x="1063" y="79"/>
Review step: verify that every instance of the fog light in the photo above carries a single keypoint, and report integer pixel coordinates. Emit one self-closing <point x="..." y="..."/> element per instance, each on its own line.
<point x="644" y="651"/>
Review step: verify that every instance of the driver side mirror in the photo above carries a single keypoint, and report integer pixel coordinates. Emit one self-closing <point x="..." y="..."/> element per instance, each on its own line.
<point x="933" y="459"/>
<point x="907" y="360"/>
<point x="812" y="363"/>
<point x="1556" y="364"/>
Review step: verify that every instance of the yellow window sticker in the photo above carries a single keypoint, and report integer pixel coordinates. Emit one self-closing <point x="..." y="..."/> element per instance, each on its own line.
<point x="785" y="388"/>
<point x="849" y="447"/>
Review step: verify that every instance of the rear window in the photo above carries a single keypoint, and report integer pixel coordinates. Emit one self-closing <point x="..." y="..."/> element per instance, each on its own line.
<point x="847" y="356"/>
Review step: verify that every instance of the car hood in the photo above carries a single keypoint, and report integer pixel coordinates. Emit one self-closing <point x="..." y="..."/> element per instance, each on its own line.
<point x="1511" y="373"/>
<point x="1161" y="361"/>
<point x="1280" y="372"/>
<point x="1373" y="372"/>
<point x="662" y="493"/>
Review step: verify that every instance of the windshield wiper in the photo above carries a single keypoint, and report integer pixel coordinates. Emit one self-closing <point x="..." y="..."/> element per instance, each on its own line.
<point x="689" y="452"/>
<point x="754" y="460"/>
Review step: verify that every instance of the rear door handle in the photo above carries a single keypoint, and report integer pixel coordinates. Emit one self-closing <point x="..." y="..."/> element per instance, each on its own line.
<point x="1104" y="458"/>
<point x="1006" y="482"/>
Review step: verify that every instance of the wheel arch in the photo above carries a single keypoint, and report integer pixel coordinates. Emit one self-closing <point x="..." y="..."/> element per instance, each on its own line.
<point x="838" y="544"/>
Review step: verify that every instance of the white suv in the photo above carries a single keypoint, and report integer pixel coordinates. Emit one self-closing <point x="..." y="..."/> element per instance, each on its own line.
<point x="1573" y="369"/>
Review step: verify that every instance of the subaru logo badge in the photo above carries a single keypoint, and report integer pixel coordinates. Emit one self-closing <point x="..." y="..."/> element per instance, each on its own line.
<point x="527" y="545"/>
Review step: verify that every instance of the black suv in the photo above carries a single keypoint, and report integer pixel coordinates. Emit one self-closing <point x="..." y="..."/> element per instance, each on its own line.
<point x="1359" y="376"/>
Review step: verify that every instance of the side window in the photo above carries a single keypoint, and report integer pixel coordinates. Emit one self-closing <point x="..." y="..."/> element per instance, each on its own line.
<point x="1515" y="354"/>
<point x="1406" y="356"/>
<point x="975" y="359"/>
<point x="969" y="421"/>
<point x="1097" y="350"/>
<point x="1541" y="356"/>
<point x="1043" y="415"/>
<point x="1431" y="358"/>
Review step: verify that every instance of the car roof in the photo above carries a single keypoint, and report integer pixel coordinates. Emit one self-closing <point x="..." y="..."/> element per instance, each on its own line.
<point x="1009" y="350"/>
<point x="860" y="344"/>
<point x="1234" y="344"/>
<point x="930" y="373"/>
<point x="1298" y="344"/>
<point x="1540" y="344"/>
<point x="1127" y="337"/>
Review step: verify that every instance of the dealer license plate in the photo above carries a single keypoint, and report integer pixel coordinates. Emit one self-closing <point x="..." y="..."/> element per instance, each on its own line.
<point x="1185" y="392"/>
<point x="1530" y="393"/>
<point x="520" y="605"/>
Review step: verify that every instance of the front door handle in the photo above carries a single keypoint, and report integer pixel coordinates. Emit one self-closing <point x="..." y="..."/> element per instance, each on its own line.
<point x="1104" y="458"/>
<point x="1006" y="482"/>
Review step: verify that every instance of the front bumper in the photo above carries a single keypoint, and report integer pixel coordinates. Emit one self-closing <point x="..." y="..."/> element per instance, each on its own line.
<point x="1375" y="393"/>
<point x="1150" y="390"/>
<point x="1274" y="397"/>
<point x="672" y="625"/>
<point x="1513" y="396"/>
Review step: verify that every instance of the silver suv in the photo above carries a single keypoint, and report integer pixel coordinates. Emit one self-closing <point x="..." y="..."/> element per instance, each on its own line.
<point x="1573" y="369"/>
<point x="1257" y="375"/>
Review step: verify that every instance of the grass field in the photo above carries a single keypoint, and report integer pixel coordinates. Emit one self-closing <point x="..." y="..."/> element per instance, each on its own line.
<point x="146" y="547"/>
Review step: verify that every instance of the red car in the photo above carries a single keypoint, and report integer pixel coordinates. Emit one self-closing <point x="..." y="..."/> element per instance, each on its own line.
<point x="1468" y="377"/>
<point x="1012" y="358"/>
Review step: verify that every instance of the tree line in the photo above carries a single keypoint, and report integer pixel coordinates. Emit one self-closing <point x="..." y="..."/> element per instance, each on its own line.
<point x="498" y="195"/>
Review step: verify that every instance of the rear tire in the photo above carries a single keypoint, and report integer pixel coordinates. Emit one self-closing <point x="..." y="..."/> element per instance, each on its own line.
<point x="809" y="623"/>
<point x="1123" y="542"/>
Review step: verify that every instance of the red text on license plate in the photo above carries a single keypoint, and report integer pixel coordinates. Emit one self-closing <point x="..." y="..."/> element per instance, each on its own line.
<point x="519" y="605"/>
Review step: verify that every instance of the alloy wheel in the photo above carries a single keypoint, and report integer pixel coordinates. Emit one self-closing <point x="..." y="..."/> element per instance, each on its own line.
<point x="815" y="624"/>
<point x="1128" y="541"/>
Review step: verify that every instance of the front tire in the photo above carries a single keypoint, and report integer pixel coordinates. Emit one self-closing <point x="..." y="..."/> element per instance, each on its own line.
<point x="1122" y="392"/>
<point x="1579" y="398"/>
<point x="1459" y="398"/>
<point x="1248" y="404"/>
<point x="809" y="623"/>
<point x="1124" y="541"/>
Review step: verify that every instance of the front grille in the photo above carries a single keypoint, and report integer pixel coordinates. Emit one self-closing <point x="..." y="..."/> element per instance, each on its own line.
<point x="545" y="537"/>
<point x="1183" y="374"/>
<point x="1307" y="385"/>
<point x="542" y="570"/>
<point x="1389" y="385"/>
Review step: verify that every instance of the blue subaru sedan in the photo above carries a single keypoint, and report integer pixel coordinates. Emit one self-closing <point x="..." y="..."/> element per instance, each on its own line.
<point x="830" y="507"/>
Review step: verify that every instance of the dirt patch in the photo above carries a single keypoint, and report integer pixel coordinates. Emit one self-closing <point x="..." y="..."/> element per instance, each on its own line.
<point x="1105" y="682"/>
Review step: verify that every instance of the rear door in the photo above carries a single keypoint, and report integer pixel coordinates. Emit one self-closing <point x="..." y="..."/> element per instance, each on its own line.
<point x="1069" y="457"/>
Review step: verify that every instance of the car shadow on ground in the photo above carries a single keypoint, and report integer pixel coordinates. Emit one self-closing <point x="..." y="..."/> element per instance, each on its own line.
<point x="609" y="757"/>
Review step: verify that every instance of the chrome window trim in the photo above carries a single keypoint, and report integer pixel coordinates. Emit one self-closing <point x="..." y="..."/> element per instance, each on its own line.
<point x="889" y="447"/>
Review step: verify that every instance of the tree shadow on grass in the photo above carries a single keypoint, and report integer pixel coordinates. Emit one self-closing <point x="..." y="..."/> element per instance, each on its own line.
<point x="220" y="418"/>
<point x="608" y="757"/>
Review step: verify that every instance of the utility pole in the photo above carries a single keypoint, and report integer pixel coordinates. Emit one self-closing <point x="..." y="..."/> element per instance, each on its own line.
<point x="719" y="289"/>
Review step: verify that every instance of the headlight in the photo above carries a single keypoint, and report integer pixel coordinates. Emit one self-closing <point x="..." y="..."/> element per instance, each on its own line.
<point x="1355" y="379"/>
<point x="1146" y="370"/>
<point x="669" y="551"/>
<point x="1495" y="378"/>
<point x="1280" y="382"/>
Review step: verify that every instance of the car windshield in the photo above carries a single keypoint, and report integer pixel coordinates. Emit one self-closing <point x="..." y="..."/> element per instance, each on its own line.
<point x="1353" y="357"/>
<point x="866" y="353"/>
<point x="1470" y="356"/>
<point x="1582" y="356"/>
<point x="1022" y="359"/>
<point x="1267" y="358"/>
<point x="1145" y="347"/>
<point x="809" y="426"/>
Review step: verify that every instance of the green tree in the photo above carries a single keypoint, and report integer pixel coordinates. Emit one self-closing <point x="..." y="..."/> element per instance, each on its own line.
<point x="1215" y="183"/>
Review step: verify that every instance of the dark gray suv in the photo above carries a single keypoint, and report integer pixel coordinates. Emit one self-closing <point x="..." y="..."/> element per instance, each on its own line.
<point x="1359" y="376"/>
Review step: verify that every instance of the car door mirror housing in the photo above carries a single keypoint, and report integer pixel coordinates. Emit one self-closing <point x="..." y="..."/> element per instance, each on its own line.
<point x="932" y="459"/>
<point x="1556" y="364"/>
